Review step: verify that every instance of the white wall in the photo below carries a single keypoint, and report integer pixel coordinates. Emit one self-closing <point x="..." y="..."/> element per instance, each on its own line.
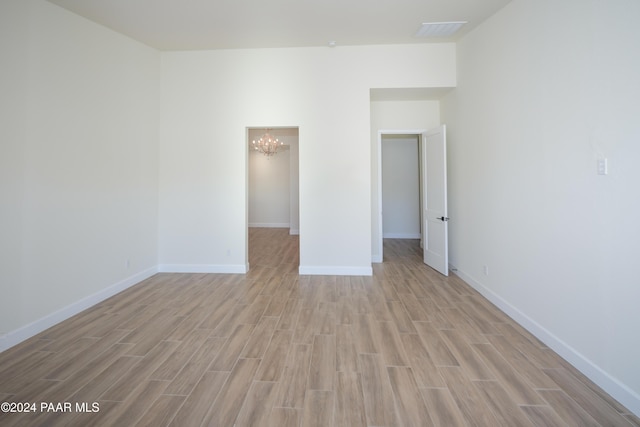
<point x="546" y="88"/>
<point x="395" y="115"/>
<point x="209" y="98"/>
<point x="79" y="131"/>
<point x="400" y="187"/>
<point x="14" y="19"/>
<point x="269" y="187"/>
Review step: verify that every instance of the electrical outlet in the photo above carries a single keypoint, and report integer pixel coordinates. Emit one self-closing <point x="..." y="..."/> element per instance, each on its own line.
<point x="485" y="269"/>
<point x="127" y="263"/>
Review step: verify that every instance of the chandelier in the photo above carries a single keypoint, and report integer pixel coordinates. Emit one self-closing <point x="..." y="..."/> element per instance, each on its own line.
<point x="267" y="144"/>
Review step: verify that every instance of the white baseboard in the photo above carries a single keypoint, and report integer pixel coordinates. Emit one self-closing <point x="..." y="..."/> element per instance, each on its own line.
<point x="34" y="328"/>
<point x="376" y="258"/>
<point x="269" y="225"/>
<point x="204" y="268"/>
<point x="619" y="391"/>
<point x="401" y="235"/>
<point x="335" y="271"/>
<point x="292" y="231"/>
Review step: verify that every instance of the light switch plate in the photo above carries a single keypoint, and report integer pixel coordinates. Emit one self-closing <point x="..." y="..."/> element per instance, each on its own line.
<point x="602" y="166"/>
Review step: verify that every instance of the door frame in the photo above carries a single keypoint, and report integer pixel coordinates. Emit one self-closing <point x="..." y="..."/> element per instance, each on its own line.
<point x="418" y="132"/>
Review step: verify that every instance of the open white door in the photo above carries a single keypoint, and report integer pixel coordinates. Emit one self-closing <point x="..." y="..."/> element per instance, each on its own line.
<point x="434" y="187"/>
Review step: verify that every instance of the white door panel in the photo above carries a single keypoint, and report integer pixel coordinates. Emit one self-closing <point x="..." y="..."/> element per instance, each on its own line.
<point x="434" y="186"/>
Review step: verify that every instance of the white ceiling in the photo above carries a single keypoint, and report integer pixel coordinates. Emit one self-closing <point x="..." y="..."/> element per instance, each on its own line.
<point x="229" y="24"/>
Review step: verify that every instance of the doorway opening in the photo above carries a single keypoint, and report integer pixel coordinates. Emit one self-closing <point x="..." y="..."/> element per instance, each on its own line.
<point x="401" y="198"/>
<point x="273" y="198"/>
<point x="432" y="190"/>
<point x="400" y="203"/>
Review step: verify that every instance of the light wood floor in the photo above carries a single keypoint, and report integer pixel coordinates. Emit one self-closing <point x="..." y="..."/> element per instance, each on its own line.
<point x="406" y="347"/>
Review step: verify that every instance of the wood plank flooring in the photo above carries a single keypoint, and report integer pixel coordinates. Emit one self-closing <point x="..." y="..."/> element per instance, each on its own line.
<point x="405" y="347"/>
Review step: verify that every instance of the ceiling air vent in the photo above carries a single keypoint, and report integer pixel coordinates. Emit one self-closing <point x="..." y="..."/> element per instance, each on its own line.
<point x="439" y="29"/>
